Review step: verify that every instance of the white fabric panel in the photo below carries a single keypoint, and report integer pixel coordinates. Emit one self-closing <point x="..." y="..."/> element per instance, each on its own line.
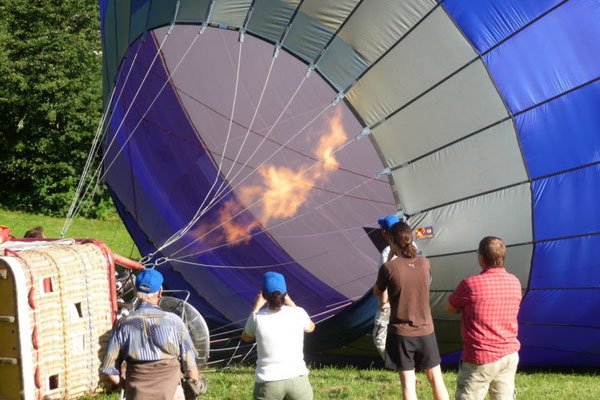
<point x="431" y="52"/>
<point x="462" y="105"/>
<point x="460" y="226"/>
<point x="270" y="17"/>
<point x="376" y="25"/>
<point x="230" y="12"/>
<point x="340" y="64"/>
<point x="483" y="162"/>
<point x="448" y="271"/>
<point x="330" y="13"/>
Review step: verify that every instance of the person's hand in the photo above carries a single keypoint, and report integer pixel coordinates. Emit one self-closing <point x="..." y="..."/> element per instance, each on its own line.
<point x="384" y="306"/>
<point x="289" y="301"/>
<point x="259" y="302"/>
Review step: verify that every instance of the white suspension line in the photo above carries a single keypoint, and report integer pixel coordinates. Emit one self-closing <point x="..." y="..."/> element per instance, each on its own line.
<point x="262" y="198"/>
<point x="145" y="113"/>
<point x="261" y="142"/>
<point x="100" y="133"/>
<point x="123" y="121"/>
<point x="219" y="191"/>
<point x="167" y="259"/>
<point x="254" y="170"/>
<point x="201" y="210"/>
<point x="177" y="235"/>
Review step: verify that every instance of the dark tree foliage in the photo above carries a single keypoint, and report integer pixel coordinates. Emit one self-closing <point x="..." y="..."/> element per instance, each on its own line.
<point x="50" y="102"/>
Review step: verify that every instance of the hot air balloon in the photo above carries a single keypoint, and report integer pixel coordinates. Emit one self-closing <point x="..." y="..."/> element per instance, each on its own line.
<point x="243" y="136"/>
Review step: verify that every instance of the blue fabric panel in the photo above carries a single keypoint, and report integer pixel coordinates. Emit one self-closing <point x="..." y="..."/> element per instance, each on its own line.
<point x="139" y="18"/>
<point x="558" y="346"/>
<point x="451" y="358"/>
<point x="487" y="22"/>
<point x="555" y="54"/>
<point x="563" y="133"/>
<point x="567" y="263"/>
<point x="103" y="4"/>
<point x="567" y="204"/>
<point x="345" y="326"/>
<point x="547" y="317"/>
<point x="573" y="307"/>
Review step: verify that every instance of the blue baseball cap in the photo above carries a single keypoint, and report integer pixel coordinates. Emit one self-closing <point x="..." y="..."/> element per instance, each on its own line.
<point x="273" y="282"/>
<point x="149" y="281"/>
<point x="386" y="223"/>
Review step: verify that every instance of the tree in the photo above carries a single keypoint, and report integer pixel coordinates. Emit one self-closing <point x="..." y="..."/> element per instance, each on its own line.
<point x="50" y="101"/>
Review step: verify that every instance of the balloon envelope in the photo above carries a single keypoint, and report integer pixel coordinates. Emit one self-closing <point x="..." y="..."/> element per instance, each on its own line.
<point x="289" y="127"/>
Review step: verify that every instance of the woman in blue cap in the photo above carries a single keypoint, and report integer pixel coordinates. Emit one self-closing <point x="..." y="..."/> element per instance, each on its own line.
<point x="279" y="331"/>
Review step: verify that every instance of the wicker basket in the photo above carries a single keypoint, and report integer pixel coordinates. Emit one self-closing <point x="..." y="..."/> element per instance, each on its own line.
<point x="62" y="302"/>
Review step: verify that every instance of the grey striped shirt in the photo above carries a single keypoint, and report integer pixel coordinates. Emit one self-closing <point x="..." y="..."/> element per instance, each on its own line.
<point x="148" y="334"/>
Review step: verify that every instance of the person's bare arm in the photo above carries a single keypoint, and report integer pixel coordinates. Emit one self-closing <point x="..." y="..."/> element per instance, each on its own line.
<point x="193" y="372"/>
<point x="115" y="379"/>
<point x="451" y="309"/>
<point x="246" y="337"/>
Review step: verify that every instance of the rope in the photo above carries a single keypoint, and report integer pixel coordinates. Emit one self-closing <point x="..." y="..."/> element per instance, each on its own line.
<point x="279" y="224"/>
<point x="67" y="225"/>
<point x="179" y="234"/>
<point x="262" y="198"/>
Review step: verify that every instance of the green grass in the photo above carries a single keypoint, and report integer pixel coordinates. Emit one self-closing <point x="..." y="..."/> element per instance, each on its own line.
<point x="328" y="382"/>
<point x="110" y="231"/>
<point x="331" y="383"/>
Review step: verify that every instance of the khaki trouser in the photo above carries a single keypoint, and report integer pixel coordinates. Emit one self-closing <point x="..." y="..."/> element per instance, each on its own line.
<point x="474" y="380"/>
<point x="382" y="319"/>
<point x="297" y="388"/>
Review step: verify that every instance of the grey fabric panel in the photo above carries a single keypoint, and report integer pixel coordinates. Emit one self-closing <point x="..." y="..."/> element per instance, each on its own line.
<point x="483" y="162"/>
<point x="161" y="13"/>
<point x="463" y="104"/>
<point x="341" y="64"/>
<point x="431" y="52"/>
<point x="460" y="226"/>
<point x="270" y="17"/>
<point x="376" y="25"/>
<point x="448" y="271"/>
<point x="138" y="20"/>
<point x="447" y="326"/>
<point x="123" y="8"/>
<point x="307" y="37"/>
<point x="230" y="12"/>
<point x="330" y="13"/>
<point x="193" y="10"/>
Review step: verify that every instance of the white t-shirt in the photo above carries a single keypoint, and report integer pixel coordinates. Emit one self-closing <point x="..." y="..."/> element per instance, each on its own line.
<point x="280" y="342"/>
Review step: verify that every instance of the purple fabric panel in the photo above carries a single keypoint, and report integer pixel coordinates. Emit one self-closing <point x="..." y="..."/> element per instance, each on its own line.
<point x="325" y="233"/>
<point x="172" y="173"/>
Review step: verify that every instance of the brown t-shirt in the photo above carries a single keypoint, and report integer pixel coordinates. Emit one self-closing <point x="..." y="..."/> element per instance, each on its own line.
<point x="407" y="282"/>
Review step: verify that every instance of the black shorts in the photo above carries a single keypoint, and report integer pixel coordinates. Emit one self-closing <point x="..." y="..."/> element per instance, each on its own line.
<point x="405" y="353"/>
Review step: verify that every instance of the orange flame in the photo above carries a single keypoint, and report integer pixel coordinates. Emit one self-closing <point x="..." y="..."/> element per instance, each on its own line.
<point x="282" y="190"/>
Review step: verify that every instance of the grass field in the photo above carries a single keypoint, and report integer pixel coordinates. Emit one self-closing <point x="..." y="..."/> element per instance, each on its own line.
<point x="349" y="383"/>
<point x="111" y="231"/>
<point x="328" y="382"/>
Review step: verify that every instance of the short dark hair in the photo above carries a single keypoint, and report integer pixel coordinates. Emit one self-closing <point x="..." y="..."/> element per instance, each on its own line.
<point x="275" y="300"/>
<point x="35" y="233"/>
<point x="401" y="234"/>
<point x="493" y="251"/>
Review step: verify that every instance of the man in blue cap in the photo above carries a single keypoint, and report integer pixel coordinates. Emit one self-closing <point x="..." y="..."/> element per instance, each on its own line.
<point x="155" y="344"/>
<point x="279" y="331"/>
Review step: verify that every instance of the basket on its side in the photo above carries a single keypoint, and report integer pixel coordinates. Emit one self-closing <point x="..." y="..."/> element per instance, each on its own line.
<point x="56" y="312"/>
